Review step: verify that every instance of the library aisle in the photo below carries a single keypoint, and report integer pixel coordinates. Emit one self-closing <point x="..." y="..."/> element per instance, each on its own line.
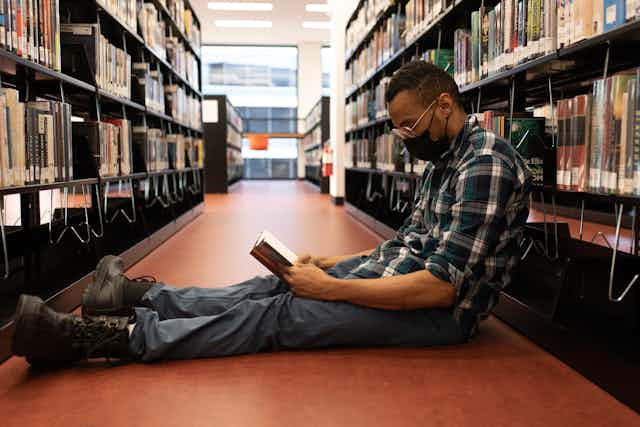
<point x="500" y="379"/>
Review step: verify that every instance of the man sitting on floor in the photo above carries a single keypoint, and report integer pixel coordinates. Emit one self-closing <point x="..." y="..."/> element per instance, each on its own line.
<point x="430" y="285"/>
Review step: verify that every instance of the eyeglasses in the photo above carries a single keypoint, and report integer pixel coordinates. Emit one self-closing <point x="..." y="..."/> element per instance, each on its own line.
<point x="406" y="132"/>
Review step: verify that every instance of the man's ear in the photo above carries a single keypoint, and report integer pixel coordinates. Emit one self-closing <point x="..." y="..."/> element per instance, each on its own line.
<point x="445" y="103"/>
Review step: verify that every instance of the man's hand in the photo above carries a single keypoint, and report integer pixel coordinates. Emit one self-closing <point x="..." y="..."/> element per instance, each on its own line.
<point x="309" y="281"/>
<point x="320" y="262"/>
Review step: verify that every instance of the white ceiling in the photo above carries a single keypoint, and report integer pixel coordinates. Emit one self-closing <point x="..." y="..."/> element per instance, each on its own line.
<point x="287" y="17"/>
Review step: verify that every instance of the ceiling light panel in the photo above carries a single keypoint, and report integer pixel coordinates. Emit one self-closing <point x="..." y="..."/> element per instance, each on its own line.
<point x="317" y="7"/>
<point x="254" y="7"/>
<point x="235" y="23"/>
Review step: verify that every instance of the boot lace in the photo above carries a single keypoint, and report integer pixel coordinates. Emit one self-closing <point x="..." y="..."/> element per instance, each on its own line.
<point x="91" y="334"/>
<point x="150" y="279"/>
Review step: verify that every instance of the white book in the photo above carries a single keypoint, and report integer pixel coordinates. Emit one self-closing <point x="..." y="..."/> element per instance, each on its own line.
<point x="272" y="253"/>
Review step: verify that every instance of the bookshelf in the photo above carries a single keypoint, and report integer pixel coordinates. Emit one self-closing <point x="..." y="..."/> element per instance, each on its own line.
<point x="582" y="302"/>
<point x="224" y="164"/>
<point x="315" y="136"/>
<point x="153" y="189"/>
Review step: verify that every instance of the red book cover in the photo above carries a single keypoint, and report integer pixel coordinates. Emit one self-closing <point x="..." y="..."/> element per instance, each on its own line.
<point x="19" y="32"/>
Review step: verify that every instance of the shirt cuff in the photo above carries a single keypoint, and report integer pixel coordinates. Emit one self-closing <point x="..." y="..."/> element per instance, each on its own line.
<point x="444" y="270"/>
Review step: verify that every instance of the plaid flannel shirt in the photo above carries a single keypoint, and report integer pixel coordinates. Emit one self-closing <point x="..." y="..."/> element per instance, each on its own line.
<point x="470" y="210"/>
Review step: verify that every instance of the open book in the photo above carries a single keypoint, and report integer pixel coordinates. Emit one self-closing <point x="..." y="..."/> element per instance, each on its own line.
<point x="272" y="253"/>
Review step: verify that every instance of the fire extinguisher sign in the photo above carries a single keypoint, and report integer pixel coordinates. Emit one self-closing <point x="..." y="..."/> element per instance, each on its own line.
<point x="327" y="160"/>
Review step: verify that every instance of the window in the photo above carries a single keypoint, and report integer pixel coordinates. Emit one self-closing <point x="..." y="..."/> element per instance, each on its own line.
<point x="326" y="59"/>
<point x="261" y="81"/>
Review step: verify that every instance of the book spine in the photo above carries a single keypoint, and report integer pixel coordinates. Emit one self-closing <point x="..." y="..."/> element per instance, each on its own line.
<point x="636" y="137"/>
<point x="491" y="42"/>
<point x="484" y="43"/>
<point x="530" y="28"/>
<point x="560" y="145"/>
<point x="608" y="140"/>
<point x="41" y="48"/>
<point x="632" y="90"/>
<point x="5" y="178"/>
<point x="47" y="32"/>
<point x="475" y="41"/>
<point x="612" y="11"/>
<point x="57" y="52"/>
<point x="51" y="135"/>
<point x="14" y="31"/>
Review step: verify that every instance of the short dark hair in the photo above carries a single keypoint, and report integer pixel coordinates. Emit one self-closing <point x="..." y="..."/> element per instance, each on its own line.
<point x="427" y="79"/>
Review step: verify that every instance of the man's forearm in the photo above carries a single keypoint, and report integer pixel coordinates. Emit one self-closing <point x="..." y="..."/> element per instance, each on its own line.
<point x="411" y="291"/>
<point x="330" y="261"/>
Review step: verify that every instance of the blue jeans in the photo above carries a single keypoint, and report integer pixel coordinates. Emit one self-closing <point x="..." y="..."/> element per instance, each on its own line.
<point x="261" y="314"/>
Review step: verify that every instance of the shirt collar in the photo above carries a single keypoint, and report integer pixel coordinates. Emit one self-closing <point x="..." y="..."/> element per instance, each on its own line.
<point x="456" y="145"/>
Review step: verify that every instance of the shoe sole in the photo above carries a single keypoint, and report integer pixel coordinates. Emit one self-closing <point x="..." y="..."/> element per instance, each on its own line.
<point x="102" y="271"/>
<point x="26" y="311"/>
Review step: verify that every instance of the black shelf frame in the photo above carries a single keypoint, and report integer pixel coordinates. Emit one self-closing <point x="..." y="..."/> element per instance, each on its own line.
<point x="141" y="43"/>
<point x="220" y="175"/>
<point x="445" y="17"/>
<point x="611" y="362"/>
<point x="622" y="33"/>
<point x="174" y="26"/>
<point x="314" y="173"/>
<point x="35" y="188"/>
<point x="58" y="269"/>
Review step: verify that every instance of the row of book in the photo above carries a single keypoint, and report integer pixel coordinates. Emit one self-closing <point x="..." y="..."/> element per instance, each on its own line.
<point x="389" y="152"/>
<point x="360" y="151"/>
<point x="151" y="148"/>
<point x="234" y="137"/>
<point x="313" y="117"/>
<point x="125" y="10"/>
<point x="368" y="107"/>
<point x="233" y="116"/>
<point x="581" y="19"/>
<point x="370" y="104"/>
<point x="366" y="17"/>
<point x="392" y="35"/>
<point x="114" y="69"/>
<point x="183" y="61"/>
<point x="105" y="146"/>
<point x="420" y="14"/>
<point x="598" y="145"/>
<point x="183" y="17"/>
<point x="152" y="29"/>
<point x="110" y="65"/>
<point x="235" y="165"/>
<point x="313" y="157"/>
<point x="154" y="150"/>
<point x="515" y="31"/>
<point x="385" y="42"/>
<point x="31" y="29"/>
<point x="176" y="11"/>
<point x="443" y="58"/>
<point x="313" y="138"/>
<point x="525" y="131"/>
<point x="39" y="144"/>
<point x="182" y="107"/>
<point x="35" y="141"/>
<point x="149" y="86"/>
<point x="192" y="31"/>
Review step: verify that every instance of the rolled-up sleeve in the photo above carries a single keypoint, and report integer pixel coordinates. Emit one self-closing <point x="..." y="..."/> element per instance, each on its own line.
<point x="484" y="187"/>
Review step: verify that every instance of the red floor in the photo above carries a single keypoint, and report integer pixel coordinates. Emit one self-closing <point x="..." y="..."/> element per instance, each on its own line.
<point x="500" y="379"/>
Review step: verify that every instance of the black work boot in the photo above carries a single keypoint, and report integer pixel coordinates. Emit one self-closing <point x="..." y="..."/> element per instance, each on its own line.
<point x="111" y="293"/>
<point x="48" y="338"/>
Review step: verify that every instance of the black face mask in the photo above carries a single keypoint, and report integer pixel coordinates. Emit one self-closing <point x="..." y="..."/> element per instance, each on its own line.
<point x="423" y="148"/>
